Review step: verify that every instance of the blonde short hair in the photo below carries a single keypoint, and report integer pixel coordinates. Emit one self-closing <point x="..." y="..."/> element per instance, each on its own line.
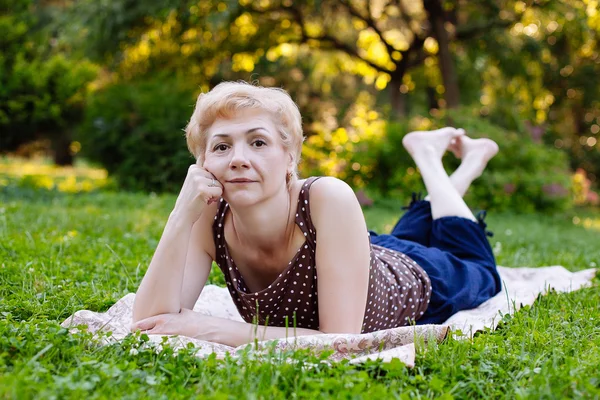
<point x="227" y="98"/>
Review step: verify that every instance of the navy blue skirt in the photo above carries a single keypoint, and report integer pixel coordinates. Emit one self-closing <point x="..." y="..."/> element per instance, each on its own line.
<point x="455" y="253"/>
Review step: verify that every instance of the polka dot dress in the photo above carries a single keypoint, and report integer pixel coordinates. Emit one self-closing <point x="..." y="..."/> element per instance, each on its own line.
<point x="399" y="290"/>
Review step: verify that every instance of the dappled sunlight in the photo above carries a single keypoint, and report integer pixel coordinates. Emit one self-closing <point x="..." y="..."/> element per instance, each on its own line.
<point x="39" y="174"/>
<point x="331" y="151"/>
<point x="591" y="223"/>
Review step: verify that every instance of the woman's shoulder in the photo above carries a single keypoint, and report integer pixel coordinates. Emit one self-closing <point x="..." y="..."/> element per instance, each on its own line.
<point x="336" y="213"/>
<point x="328" y="194"/>
<point x="322" y="181"/>
<point x="328" y="187"/>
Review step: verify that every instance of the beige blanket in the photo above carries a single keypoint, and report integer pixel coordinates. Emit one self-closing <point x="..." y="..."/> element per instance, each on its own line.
<point x="521" y="286"/>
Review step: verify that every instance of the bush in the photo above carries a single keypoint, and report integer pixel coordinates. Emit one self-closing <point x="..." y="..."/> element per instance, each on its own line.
<point x="135" y="130"/>
<point x="524" y="176"/>
<point x="42" y="91"/>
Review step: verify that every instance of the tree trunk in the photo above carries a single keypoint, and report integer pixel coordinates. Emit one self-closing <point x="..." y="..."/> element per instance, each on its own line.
<point x="431" y="98"/>
<point x="436" y="19"/>
<point x="397" y="98"/>
<point x="61" y="148"/>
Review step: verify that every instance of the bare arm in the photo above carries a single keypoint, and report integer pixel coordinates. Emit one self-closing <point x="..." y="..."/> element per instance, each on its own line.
<point x="236" y="333"/>
<point x="163" y="290"/>
<point x="160" y="290"/>
<point x="179" y="268"/>
<point x="199" y="259"/>
<point x="342" y="257"/>
<point x="214" y="329"/>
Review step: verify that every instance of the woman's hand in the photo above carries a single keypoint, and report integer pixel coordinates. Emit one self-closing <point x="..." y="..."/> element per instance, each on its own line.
<point x="184" y="323"/>
<point x="200" y="189"/>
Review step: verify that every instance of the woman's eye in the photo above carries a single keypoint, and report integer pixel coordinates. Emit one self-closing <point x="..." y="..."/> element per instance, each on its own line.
<point x="259" y="143"/>
<point x="220" y="147"/>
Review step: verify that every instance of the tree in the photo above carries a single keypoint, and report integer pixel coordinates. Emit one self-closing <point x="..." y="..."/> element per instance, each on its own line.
<point x="384" y="39"/>
<point x="42" y="92"/>
<point x="546" y="71"/>
<point x="378" y="40"/>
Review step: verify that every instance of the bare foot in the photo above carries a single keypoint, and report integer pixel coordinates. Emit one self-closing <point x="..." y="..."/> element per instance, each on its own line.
<point x="433" y="142"/>
<point x="464" y="147"/>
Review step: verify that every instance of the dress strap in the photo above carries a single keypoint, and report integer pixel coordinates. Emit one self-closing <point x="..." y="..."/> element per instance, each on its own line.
<point x="220" y="216"/>
<point x="218" y="231"/>
<point x="303" y="217"/>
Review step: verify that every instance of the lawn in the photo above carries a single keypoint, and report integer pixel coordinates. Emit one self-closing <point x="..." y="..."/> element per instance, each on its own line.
<point x="61" y="252"/>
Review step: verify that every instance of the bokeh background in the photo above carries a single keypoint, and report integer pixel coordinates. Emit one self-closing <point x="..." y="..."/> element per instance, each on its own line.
<point x="94" y="94"/>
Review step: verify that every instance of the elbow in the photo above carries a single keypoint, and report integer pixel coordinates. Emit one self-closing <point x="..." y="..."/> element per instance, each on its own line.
<point x="137" y="313"/>
<point x="142" y="310"/>
<point x="342" y="331"/>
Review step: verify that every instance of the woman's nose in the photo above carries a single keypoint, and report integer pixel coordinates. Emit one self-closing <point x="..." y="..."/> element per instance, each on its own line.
<point x="238" y="157"/>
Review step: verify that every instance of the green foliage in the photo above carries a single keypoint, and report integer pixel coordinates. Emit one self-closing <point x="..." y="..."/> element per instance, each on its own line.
<point x="545" y="70"/>
<point x="524" y="65"/>
<point x="135" y="130"/>
<point x="524" y="176"/>
<point x="42" y="93"/>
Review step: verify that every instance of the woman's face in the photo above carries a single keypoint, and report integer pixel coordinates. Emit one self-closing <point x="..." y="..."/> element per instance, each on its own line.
<point x="247" y="156"/>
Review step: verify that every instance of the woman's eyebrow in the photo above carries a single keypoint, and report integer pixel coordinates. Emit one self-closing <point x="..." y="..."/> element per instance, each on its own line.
<point x="247" y="132"/>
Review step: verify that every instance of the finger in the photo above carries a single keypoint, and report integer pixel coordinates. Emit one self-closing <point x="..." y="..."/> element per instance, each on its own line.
<point x="199" y="171"/>
<point x="207" y="178"/>
<point x="213" y="183"/>
<point x="144" y="325"/>
<point x="202" y="177"/>
<point x="213" y="194"/>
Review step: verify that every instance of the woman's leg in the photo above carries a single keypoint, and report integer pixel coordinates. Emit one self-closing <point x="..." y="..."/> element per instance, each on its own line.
<point x="427" y="149"/>
<point x="458" y="258"/>
<point x="475" y="154"/>
<point x="459" y="261"/>
<point x="415" y="224"/>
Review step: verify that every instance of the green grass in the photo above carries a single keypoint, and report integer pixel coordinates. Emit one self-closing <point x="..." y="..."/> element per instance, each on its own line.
<point x="63" y="252"/>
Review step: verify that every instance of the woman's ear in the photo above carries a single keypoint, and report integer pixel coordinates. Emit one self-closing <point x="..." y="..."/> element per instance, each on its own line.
<point x="291" y="163"/>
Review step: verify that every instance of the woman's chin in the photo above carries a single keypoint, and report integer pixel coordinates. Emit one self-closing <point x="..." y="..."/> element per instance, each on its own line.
<point x="241" y="199"/>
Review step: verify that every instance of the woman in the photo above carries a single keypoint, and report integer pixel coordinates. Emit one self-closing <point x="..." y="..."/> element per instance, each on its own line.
<point x="242" y="206"/>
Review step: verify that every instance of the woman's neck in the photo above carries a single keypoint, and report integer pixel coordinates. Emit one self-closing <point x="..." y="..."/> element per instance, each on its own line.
<point x="268" y="226"/>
